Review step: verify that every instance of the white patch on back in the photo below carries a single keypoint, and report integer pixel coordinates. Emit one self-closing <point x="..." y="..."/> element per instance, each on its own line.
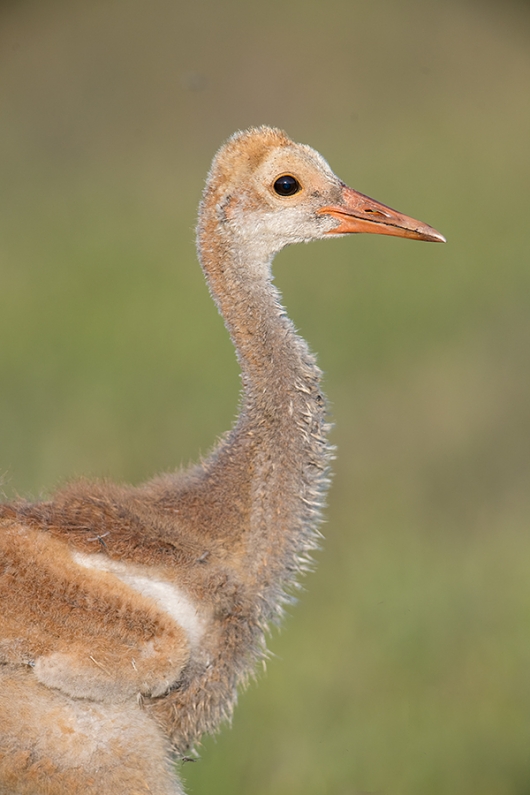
<point x="170" y="598"/>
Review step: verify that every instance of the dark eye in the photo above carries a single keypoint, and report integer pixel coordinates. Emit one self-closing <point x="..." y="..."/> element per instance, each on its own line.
<point x="286" y="185"/>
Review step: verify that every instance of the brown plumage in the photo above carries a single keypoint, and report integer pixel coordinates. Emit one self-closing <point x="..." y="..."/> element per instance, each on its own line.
<point x="131" y="615"/>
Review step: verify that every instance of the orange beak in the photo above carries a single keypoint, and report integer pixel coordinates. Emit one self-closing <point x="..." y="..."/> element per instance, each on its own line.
<point x="359" y="213"/>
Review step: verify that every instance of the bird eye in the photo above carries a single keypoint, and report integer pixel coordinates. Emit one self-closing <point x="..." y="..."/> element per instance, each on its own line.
<point x="286" y="185"/>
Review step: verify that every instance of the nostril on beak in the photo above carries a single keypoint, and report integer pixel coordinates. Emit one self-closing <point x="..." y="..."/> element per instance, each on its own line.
<point x="375" y="212"/>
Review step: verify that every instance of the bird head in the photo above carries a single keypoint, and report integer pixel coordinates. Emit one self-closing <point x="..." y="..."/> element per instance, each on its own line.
<point x="268" y="192"/>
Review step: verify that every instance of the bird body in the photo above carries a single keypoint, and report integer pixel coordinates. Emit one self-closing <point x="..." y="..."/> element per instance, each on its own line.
<point x="131" y="615"/>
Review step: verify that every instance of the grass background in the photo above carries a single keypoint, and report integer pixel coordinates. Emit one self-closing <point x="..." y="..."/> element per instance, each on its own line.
<point x="405" y="669"/>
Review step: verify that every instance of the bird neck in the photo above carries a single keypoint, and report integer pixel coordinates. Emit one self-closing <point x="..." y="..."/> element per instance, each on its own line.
<point x="275" y="459"/>
<point x="273" y="359"/>
<point x="267" y="347"/>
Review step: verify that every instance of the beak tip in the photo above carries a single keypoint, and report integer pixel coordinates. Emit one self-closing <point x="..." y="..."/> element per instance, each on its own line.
<point x="437" y="237"/>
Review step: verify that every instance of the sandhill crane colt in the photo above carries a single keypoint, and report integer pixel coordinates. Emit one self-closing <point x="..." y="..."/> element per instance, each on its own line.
<point x="130" y="615"/>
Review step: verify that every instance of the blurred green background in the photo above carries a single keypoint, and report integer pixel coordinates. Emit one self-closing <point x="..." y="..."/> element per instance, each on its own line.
<point x="405" y="669"/>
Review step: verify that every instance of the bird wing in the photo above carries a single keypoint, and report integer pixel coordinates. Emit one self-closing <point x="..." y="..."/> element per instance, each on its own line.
<point x="82" y="630"/>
